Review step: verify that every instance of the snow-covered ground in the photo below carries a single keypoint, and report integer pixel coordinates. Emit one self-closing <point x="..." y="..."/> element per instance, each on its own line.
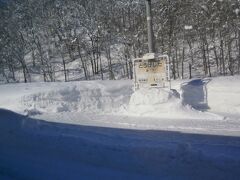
<point x="102" y="129"/>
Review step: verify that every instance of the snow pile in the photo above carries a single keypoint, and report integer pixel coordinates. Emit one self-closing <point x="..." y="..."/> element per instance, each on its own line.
<point x="224" y="95"/>
<point x="157" y="102"/>
<point x="217" y="95"/>
<point x="100" y="97"/>
<point x="92" y="97"/>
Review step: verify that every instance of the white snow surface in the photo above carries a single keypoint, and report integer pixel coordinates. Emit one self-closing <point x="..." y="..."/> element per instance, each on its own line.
<point x="89" y="96"/>
<point x="102" y="129"/>
<point x="224" y="95"/>
<point x="199" y="105"/>
<point x="164" y="103"/>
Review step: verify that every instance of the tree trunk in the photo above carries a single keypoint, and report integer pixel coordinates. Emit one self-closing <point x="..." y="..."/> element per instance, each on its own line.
<point x="33" y="58"/>
<point x="191" y="51"/>
<point x="204" y="59"/>
<point x="208" y="60"/>
<point x="174" y="65"/>
<point x="11" y="69"/>
<point x="177" y="63"/>
<point x="216" y="58"/>
<point x="231" y="67"/>
<point x="64" y="67"/>
<point x="41" y="59"/>
<point x="238" y="52"/>
<point x="25" y="70"/>
<point x="183" y="58"/>
<point x="222" y="57"/>
<point x="82" y="62"/>
<point x="190" y="70"/>
<point x="101" y="68"/>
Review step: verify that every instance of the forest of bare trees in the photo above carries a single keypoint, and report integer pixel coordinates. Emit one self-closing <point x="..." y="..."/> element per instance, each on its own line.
<point x="97" y="39"/>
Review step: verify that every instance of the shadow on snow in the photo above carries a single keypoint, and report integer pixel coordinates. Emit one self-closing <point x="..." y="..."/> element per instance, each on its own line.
<point x="195" y="93"/>
<point x="37" y="149"/>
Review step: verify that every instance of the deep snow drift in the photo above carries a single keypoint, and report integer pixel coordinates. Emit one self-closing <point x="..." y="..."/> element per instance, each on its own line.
<point x="103" y="129"/>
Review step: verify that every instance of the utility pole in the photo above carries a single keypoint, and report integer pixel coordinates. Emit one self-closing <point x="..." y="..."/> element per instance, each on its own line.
<point x="151" y="47"/>
<point x="152" y="70"/>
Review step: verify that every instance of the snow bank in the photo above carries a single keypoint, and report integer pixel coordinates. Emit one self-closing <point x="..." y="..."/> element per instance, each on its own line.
<point x="163" y="103"/>
<point x="112" y="97"/>
<point x="100" y="97"/>
<point x="89" y="97"/>
<point x="218" y="95"/>
<point x="224" y="95"/>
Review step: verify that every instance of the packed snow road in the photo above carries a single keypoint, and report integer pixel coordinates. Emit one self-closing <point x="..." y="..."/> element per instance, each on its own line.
<point x="227" y="126"/>
<point x="37" y="149"/>
<point x="102" y="129"/>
